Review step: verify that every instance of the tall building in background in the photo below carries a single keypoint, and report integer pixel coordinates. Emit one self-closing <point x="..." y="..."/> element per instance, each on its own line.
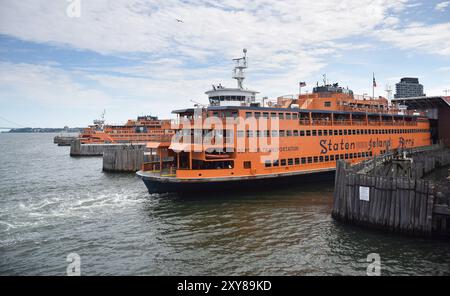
<point x="408" y="87"/>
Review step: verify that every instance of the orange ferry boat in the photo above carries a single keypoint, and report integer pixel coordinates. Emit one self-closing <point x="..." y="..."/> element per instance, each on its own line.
<point x="294" y="137"/>
<point x="142" y="130"/>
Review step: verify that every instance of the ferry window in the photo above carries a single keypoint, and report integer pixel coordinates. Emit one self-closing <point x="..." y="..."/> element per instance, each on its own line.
<point x="297" y="161"/>
<point x="303" y="159"/>
<point x="282" y="133"/>
<point x="289" y="133"/>
<point x="295" y="133"/>
<point x="257" y="115"/>
<point x="281" y="115"/>
<point x="288" y="116"/>
<point x="332" y="157"/>
<point x="327" y="104"/>
<point x="366" y="132"/>
<point x="265" y="114"/>
<point x="354" y="132"/>
<point x="308" y="133"/>
<point x="247" y="164"/>
<point x="370" y="153"/>
<point x="310" y="160"/>
<point x="327" y="158"/>
<point x="273" y="115"/>
<point x="351" y="155"/>
<point x="357" y="132"/>
<point x="314" y="133"/>
<point x="316" y="159"/>
<point x="268" y="163"/>
<point x="346" y="156"/>
<point x="342" y="156"/>
<point x="319" y="133"/>
<point x="335" y="132"/>
<point x="294" y="116"/>
<point x="267" y="134"/>
<point x="330" y="132"/>
<point x="283" y="162"/>
<point x="345" y="132"/>
<point x="249" y="134"/>
<point x="234" y="114"/>
<point x="290" y="161"/>
<point x="302" y="133"/>
<point x="325" y="132"/>
<point x="274" y="133"/>
<point x="359" y="155"/>
<point x="340" y="132"/>
<point x="276" y="163"/>
<point x="248" y="114"/>
<point x="321" y="158"/>
<point x="258" y="133"/>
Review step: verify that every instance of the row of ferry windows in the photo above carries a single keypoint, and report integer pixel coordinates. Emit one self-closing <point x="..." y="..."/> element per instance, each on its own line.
<point x="228" y="98"/>
<point x="303" y="133"/>
<point x="272" y="115"/>
<point x="316" y="159"/>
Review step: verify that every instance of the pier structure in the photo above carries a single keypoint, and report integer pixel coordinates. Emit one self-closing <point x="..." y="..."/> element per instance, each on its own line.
<point x="390" y="192"/>
<point x="64" y="140"/>
<point x="437" y="109"/>
<point x="78" y="149"/>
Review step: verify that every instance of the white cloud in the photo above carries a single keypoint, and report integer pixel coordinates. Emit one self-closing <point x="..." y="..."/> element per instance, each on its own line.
<point x="442" y="5"/>
<point x="209" y="29"/>
<point x="426" y="38"/>
<point x="288" y="41"/>
<point x="41" y="84"/>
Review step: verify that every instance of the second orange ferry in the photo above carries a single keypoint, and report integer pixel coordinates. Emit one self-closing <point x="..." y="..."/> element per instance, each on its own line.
<point x="236" y="141"/>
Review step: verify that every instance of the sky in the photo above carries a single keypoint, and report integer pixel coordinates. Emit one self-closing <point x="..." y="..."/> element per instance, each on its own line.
<point x="62" y="62"/>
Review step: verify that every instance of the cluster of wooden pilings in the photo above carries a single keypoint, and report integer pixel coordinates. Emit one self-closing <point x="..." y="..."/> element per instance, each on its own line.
<point x="128" y="158"/>
<point x="376" y="195"/>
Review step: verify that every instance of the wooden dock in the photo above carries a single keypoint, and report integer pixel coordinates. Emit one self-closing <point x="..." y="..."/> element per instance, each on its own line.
<point x="388" y="192"/>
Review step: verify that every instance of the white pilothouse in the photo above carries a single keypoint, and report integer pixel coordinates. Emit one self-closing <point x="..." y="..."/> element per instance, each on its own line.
<point x="223" y="96"/>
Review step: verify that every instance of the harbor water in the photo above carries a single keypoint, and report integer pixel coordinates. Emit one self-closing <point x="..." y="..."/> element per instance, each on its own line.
<point x="52" y="205"/>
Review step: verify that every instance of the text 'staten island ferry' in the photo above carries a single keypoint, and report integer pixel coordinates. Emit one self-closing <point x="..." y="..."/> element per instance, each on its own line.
<point x="142" y="130"/>
<point x="236" y="141"/>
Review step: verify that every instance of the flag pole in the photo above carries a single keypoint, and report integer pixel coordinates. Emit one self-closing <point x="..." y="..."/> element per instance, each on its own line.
<point x="373" y="86"/>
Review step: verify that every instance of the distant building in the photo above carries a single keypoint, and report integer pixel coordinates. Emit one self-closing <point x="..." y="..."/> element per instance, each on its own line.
<point x="408" y="87"/>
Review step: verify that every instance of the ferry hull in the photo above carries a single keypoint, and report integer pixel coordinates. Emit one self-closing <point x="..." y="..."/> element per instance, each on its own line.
<point x="161" y="185"/>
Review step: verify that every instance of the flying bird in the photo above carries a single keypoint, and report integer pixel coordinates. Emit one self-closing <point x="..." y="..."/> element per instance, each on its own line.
<point x="180" y="21"/>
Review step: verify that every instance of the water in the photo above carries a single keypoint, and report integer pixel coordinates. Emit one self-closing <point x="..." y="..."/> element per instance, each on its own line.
<point x="52" y="205"/>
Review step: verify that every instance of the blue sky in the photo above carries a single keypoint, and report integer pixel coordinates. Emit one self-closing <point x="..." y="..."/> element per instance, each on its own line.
<point x="131" y="57"/>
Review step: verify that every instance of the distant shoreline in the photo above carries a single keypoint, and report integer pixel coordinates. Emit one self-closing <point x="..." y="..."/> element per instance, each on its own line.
<point x="42" y="130"/>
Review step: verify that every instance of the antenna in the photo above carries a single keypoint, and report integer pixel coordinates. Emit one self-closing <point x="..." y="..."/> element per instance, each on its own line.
<point x="240" y="65"/>
<point x="197" y="104"/>
<point x="388" y="90"/>
<point x="446" y="91"/>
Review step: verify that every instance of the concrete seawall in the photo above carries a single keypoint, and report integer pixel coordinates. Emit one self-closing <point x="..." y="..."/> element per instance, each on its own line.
<point x="78" y="149"/>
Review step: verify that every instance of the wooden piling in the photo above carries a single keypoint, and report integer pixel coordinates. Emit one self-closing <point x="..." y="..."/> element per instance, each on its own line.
<point x="398" y="204"/>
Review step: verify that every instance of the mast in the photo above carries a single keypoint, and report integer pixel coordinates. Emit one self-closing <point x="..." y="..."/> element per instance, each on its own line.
<point x="238" y="72"/>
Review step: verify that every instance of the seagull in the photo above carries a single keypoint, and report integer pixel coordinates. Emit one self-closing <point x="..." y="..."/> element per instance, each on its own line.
<point x="180" y="21"/>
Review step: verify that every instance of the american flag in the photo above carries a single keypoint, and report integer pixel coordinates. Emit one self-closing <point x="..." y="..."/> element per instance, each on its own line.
<point x="302" y="84"/>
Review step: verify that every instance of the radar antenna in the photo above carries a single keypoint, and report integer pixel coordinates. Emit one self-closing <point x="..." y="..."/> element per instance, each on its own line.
<point x="240" y="65"/>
